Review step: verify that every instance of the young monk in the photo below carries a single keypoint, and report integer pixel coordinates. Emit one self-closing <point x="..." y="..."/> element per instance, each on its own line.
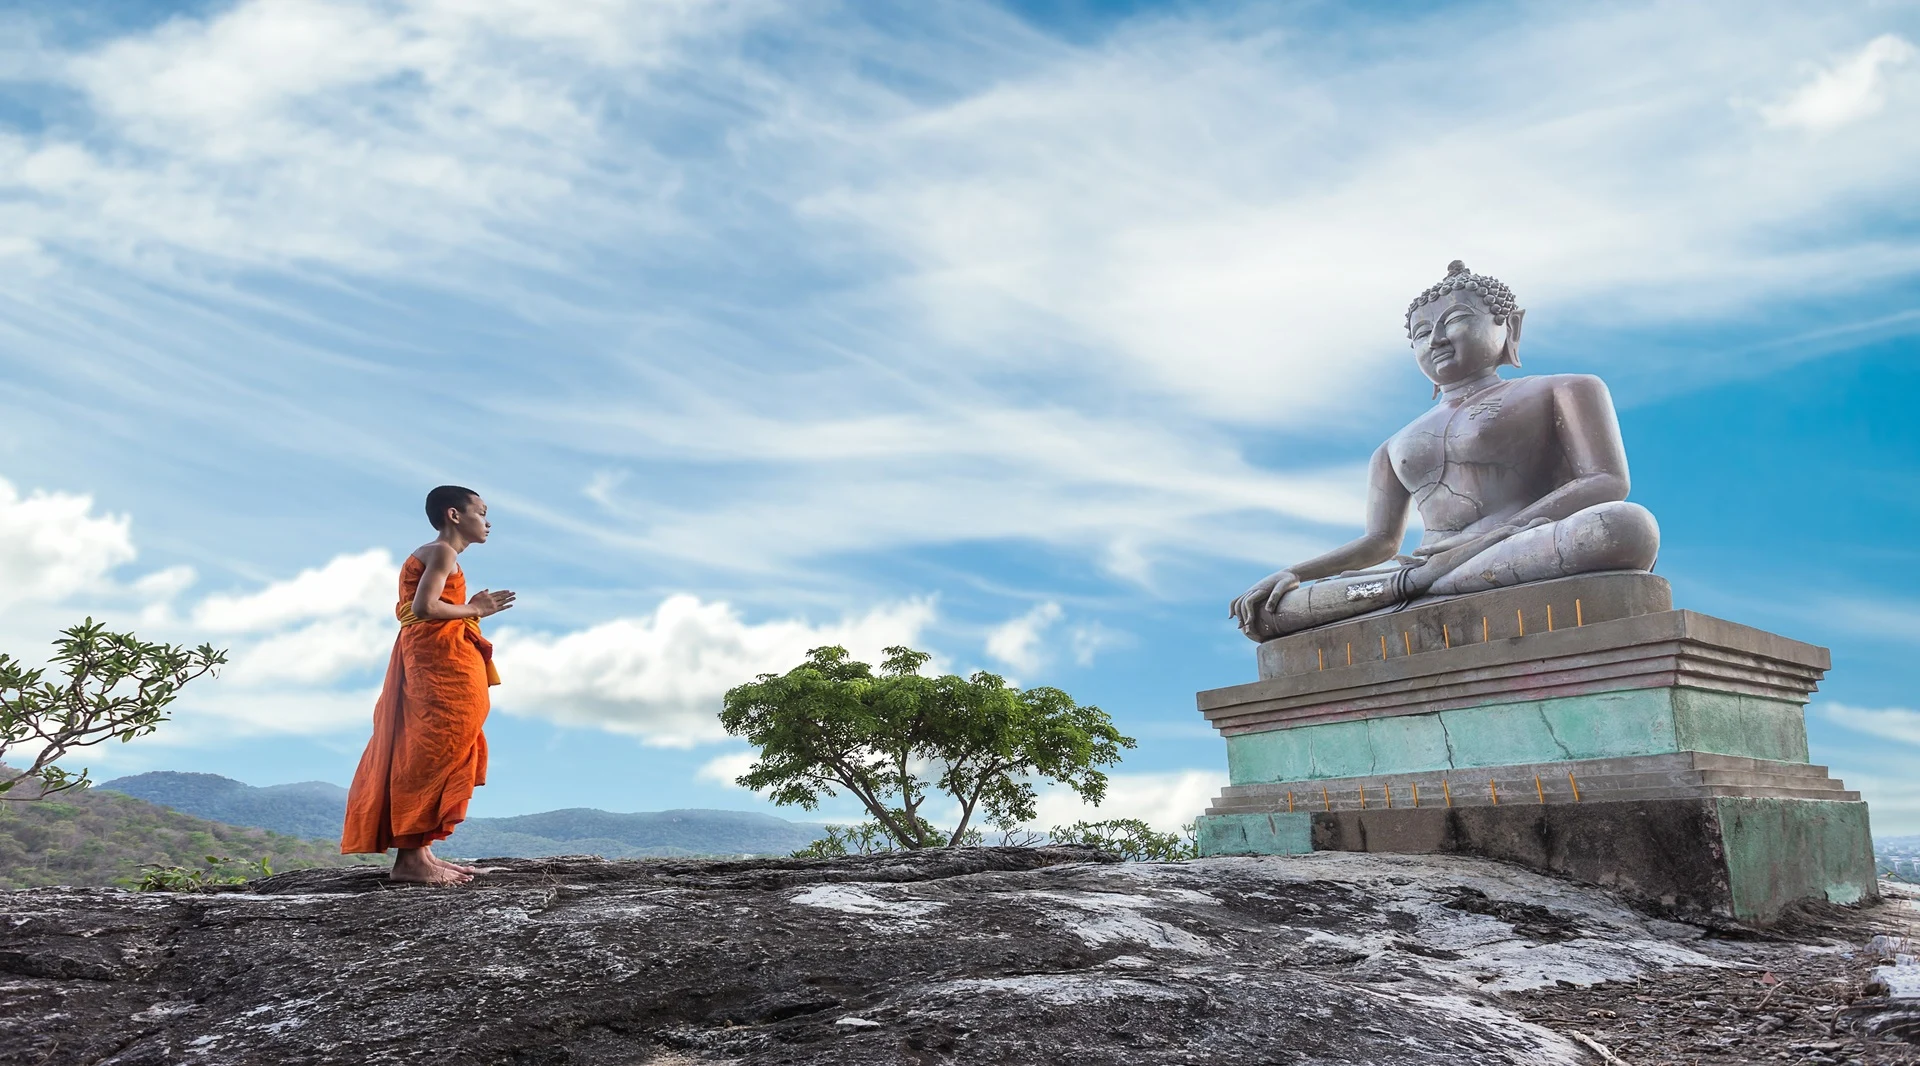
<point x="427" y="753"/>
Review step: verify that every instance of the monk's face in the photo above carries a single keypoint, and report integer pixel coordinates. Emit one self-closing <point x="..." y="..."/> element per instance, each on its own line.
<point x="1455" y="337"/>
<point x="471" y="521"/>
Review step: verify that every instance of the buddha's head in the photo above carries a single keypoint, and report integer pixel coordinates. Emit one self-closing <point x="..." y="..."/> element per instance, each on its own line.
<point x="1463" y="325"/>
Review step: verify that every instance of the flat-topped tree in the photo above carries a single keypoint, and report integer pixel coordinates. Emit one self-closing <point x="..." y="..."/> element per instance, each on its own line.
<point x="117" y="687"/>
<point x="894" y="738"/>
<point x="1517" y="480"/>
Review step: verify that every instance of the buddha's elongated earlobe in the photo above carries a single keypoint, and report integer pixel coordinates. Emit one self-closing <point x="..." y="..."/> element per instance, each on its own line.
<point x="1510" y="352"/>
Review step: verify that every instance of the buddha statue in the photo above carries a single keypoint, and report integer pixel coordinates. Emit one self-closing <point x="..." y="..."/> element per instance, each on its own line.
<point x="1517" y="479"/>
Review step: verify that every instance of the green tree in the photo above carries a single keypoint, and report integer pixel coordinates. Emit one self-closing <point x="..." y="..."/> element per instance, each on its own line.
<point x="117" y="686"/>
<point x="893" y="739"/>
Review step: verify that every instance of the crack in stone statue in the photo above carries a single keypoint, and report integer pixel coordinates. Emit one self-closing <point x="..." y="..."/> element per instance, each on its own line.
<point x="1517" y="480"/>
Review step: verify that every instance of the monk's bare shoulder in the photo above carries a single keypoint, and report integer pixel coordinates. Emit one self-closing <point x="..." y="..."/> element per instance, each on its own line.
<point x="436" y="552"/>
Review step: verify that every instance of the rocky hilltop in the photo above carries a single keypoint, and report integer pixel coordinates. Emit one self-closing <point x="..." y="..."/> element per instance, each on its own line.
<point x="1016" y="955"/>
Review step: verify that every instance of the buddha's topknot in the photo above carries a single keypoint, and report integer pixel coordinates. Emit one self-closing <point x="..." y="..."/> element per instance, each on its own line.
<point x="1498" y="297"/>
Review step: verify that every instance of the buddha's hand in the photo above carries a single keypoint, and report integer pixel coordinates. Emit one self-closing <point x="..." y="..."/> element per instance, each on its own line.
<point x="1446" y="543"/>
<point x="1478" y="541"/>
<point x="490" y="602"/>
<point x="1264" y="596"/>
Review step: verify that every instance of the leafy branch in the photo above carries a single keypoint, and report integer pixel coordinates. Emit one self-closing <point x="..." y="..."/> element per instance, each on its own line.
<point x="116" y="686"/>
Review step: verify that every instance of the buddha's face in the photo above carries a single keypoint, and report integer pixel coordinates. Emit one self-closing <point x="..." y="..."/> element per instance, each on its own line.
<point x="1455" y="338"/>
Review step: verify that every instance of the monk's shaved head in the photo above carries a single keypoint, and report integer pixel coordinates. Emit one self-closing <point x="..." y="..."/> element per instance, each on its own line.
<point x="444" y="497"/>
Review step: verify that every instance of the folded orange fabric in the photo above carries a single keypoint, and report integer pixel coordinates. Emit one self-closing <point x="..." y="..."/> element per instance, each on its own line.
<point x="427" y="754"/>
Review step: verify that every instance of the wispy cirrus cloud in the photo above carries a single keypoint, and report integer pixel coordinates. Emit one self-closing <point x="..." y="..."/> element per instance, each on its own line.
<point x="1898" y="724"/>
<point x="1848" y="91"/>
<point x="960" y="275"/>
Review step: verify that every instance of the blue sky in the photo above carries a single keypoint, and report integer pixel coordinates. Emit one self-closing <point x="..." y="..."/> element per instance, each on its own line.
<point x="1026" y="334"/>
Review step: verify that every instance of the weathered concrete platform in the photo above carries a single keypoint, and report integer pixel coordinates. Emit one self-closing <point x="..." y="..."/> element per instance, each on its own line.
<point x="1580" y="725"/>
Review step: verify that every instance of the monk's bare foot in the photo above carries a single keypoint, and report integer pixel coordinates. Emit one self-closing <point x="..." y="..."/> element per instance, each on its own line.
<point x="446" y="865"/>
<point x="416" y="866"/>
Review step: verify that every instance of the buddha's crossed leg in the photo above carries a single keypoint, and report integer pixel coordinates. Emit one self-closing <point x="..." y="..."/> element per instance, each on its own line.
<point x="1606" y="536"/>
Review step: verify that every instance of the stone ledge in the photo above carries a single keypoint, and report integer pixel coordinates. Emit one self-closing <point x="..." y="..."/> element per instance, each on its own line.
<point x="1461" y="620"/>
<point x="1671" y="648"/>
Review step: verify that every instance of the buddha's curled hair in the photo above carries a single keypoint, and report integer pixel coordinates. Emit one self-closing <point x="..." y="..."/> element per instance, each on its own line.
<point x="1498" y="297"/>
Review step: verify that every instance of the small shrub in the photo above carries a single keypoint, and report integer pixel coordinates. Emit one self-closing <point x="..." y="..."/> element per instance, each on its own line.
<point x="220" y="870"/>
<point x="864" y="838"/>
<point x="1129" y="838"/>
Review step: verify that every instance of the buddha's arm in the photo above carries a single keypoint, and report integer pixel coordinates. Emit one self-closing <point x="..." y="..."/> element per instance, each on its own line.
<point x="1387" y="504"/>
<point x="1589" y="436"/>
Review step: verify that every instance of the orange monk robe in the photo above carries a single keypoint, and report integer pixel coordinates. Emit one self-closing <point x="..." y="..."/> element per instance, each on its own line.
<point x="427" y="753"/>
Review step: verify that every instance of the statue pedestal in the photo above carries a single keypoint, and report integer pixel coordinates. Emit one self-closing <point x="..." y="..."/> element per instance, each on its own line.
<point x="1580" y="726"/>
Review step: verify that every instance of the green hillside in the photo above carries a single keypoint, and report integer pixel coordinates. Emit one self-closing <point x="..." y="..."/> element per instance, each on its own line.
<point x="101" y="838"/>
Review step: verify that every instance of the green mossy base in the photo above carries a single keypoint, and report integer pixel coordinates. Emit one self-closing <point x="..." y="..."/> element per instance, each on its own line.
<point x="1254" y="834"/>
<point x="1653" y="721"/>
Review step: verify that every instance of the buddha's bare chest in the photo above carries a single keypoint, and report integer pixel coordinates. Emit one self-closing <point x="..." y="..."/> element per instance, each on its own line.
<point x="1496" y="444"/>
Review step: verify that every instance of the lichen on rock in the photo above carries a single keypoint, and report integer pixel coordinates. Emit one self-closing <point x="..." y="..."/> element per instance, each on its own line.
<point x="982" y="955"/>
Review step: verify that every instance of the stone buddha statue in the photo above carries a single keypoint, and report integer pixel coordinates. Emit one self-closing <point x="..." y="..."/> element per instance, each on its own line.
<point x="1517" y="479"/>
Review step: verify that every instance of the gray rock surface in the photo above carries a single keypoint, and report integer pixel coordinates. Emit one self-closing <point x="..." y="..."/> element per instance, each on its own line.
<point x="968" y="956"/>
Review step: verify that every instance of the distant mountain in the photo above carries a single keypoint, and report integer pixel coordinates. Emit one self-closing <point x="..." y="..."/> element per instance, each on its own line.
<point x="315" y="809"/>
<point x="311" y="809"/>
<point x="584" y="831"/>
<point x="95" y="837"/>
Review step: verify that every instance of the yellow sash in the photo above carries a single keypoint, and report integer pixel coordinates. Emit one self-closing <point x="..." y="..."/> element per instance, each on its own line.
<point x="404" y="612"/>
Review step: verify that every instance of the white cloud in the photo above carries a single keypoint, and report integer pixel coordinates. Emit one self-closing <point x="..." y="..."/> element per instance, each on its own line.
<point x="213" y="713"/>
<point x="164" y="585"/>
<point x="1890" y="723"/>
<point x="661" y="677"/>
<point x="1092" y="638"/>
<point x="725" y="769"/>
<point x="355" y="134"/>
<point x="1165" y="801"/>
<point x="1017" y="641"/>
<point x="1848" y="91"/>
<point x="1133" y="493"/>
<point x="52" y="545"/>
<point x="317" y="653"/>
<point x="1880" y="769"/>
<point x="1897" y="620"/>
<point x="365" y="585"/>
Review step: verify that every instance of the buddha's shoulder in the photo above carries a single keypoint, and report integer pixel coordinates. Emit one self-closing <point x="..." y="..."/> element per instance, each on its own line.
<point x="1558" y="383"/>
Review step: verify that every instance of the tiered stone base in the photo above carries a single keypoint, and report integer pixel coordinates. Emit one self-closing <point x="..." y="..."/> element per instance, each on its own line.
<point x="1661" y="752"/>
